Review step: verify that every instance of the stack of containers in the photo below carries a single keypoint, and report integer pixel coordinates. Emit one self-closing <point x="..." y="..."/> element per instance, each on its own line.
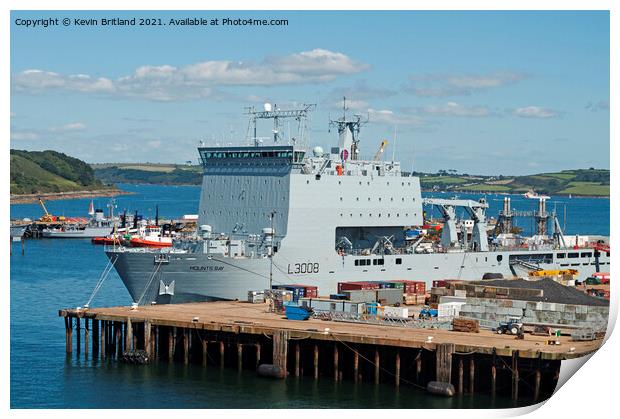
<point x="414" y="291"/>
<point x="299" y="291"/>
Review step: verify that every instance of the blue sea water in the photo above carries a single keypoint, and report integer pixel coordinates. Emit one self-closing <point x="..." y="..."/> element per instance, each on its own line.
<point x="53" y="274"/>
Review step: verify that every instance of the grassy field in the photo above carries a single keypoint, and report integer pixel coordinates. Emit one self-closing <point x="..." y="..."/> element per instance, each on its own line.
<point x="586" y="188"/>
<point x="443" y="180"/>
<point x="586" y="182"/>
<point x="483" y="187"/>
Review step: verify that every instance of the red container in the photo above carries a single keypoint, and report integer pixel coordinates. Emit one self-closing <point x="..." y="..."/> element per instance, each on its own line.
<point x="441" y="283"/>
<point x="312" y="291"/>
<point x="349" y="286"/>
<point x="413" y="287"/>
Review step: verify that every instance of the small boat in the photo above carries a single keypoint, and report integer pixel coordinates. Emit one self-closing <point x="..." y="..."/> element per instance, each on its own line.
<point x="150" y="236"/>
<point x="534" y="195"/>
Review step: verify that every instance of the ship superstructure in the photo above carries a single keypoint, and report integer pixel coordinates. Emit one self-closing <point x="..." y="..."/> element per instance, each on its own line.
<point x="280" y="214"/>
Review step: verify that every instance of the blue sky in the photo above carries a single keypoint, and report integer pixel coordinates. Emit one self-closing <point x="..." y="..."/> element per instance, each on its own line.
<point x="478" y="92"/>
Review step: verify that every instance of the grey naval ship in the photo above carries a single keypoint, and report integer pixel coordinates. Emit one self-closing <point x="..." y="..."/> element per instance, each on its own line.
<point x="282" y="213"/>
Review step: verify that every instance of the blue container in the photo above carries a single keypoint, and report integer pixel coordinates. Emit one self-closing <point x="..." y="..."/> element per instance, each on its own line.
<point x="294" y="312"/>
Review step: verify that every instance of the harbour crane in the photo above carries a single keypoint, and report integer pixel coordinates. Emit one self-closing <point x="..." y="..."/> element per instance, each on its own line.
<point x="384" y="143"/>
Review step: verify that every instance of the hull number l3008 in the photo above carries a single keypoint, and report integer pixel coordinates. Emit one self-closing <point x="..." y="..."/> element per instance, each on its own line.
<point x="304" y="268"/>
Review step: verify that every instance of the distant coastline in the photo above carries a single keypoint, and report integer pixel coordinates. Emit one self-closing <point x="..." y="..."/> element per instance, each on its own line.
<point x="97" y="193"/>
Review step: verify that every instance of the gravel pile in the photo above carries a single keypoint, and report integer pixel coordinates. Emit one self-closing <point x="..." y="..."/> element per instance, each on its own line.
<point x="553" y="292"/>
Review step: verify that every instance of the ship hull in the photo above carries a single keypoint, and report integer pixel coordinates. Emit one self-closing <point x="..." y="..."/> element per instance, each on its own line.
<point x="189" y="277"/>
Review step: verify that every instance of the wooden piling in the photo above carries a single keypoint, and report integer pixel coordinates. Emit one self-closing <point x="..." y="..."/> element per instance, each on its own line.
<point x="78" y="330"/>
<point x="515" y="375"/>
<point x="443" y="366"/>
<point x="472" y="374"/>
<point x="119" y="339"/>
<point x="239" y="357"/>
<point x="537" y="385"/>
<point x="493" y="380"/>
<point x="129" y="335"/>
<point x="257" y="354"/>
<point x="316" y="361"/>
<point x="185" y="346"/>
<point x="397" y="369"/>
<point x="460" y="386"/>
<point x="69" y="334"/>
<point x="86" y="337"/>
<point x="377" y="365"/>
<point x="418" y="366"/>
<point x="103" y="339"/>
<point x="222" y="354"/>
<point x="171" y="340"/>
<point x="297" y="357"/>
<point x="280" y="349"/>
<point x="148" y="344"/>
<point x="95" y="337"/>
<point x="336" y="370"/>
<point x="205" y="353"/>
<point x="356" y="364"/>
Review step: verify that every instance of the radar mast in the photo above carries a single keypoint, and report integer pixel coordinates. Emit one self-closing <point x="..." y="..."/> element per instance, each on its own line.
<point x="348" y="133"/>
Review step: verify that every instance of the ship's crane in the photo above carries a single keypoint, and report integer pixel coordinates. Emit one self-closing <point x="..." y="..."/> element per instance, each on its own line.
<point x="47" y="218"/>
<point x="384" y="143"/>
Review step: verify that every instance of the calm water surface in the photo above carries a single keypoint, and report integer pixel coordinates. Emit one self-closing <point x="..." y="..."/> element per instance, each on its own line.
<point x="62" y="273"/>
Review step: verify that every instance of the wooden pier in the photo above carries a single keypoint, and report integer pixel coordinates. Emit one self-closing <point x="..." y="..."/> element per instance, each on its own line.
<point x="243" y="335"/>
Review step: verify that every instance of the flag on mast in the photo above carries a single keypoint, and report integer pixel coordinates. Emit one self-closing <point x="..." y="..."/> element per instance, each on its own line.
<point x="91" y="208"/>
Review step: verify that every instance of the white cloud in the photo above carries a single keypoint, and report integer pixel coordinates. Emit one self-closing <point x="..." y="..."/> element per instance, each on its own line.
<point x="198" y="80"/>
<point x="24" y="135"/>
<point x="387" y="116"/>
<point x="455" y="109"/>
<point x="535" y="112"/>
<point x="444" y="85"/>
<point x="75" y="126"/>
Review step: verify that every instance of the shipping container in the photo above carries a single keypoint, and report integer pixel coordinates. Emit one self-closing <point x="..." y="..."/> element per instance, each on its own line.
<point x="389" y="296"/>
<point x="361" y="296"/>
<point x="413" y="287"/>
<point x="325" y="305"/>
<point x="399" y="312"/>
<point x="299" y="290"/>
<point x="360" y="285"/>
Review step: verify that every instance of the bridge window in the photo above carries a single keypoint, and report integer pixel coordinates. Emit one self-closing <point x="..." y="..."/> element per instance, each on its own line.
<point x="573" y="255"/>
<point x="586" y="255"/>
<point x="560" y="255"/>
<point x="399" y="261"/>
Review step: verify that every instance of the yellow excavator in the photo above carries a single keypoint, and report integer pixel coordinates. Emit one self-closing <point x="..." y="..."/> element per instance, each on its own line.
<point x="384" y="143"/>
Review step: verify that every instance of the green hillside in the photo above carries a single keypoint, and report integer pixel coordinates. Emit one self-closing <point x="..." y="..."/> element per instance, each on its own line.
<point x="583" y="182"/>
<point x="49" y="171"/>
<point x="161" y="174"/>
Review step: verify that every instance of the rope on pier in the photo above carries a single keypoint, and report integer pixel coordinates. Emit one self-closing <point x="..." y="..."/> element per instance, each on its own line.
<point x="104" y="275"/>
<point x="150" y="281"/>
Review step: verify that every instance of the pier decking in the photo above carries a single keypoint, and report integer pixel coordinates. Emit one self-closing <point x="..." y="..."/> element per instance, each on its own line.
<point x="229" y="333"/>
